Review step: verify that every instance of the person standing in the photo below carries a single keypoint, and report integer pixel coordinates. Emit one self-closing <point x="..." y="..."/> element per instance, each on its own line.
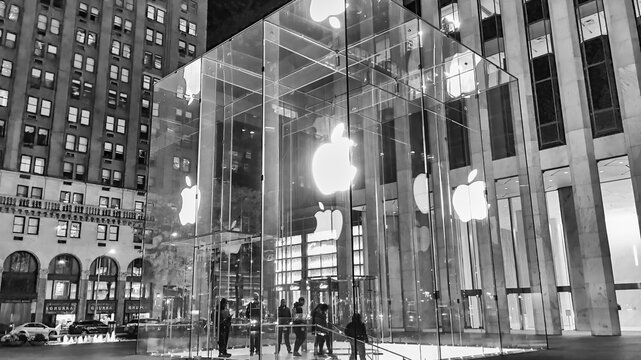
<point x="299" y="328"/>
<point x="224" y="327"/>
<point x="357" y="331"/>
<point x="253" y="313"/>
<point x="319" y="321"/>
<point x="284" y="324"/>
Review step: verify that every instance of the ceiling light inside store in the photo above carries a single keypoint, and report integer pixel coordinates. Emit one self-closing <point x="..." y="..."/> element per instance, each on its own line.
<point x="319" y="10"/>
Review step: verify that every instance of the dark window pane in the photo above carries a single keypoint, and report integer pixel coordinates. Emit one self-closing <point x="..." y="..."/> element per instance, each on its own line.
<point x="457" y="134"/>
<point x="594" y="50"/>
<point x="599" y="87"/>
<point x="500" y="119"/>
<point x="541" y="67"/>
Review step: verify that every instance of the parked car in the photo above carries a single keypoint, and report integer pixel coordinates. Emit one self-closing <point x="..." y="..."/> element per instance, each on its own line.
<point x="31" y="329"/>
<point x="150" y="325"/>
<point x="87" y="327"/>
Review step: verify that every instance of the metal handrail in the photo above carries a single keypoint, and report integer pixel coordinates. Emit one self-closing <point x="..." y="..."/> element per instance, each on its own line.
<point x="366" y="343"/>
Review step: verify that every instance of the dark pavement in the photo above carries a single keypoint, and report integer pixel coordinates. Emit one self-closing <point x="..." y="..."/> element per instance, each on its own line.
<point x="568" y="347"/>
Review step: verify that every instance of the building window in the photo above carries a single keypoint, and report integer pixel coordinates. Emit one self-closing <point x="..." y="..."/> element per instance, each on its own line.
<point x="61" y="229"/>
<point x="83" y="10"/>
<point x="139" y="206"/>
<point x="65" y="197"/>
<point x="25" y="163"/>
<point x="126" y="51"/>
<point x="29" y="135"/>
<point x="33" y="226"/>
<point x="182" y="25"/>
<point x="140" y="182"/>
<point x="124" y="75"/>
<point x="158" y="62"/>
<point x="14" y="13"/>
<point x="67" y="170"/>
<point x="72" y="116"/>
<point x="115" y="47"/>
<point x="115" y="203"/>
<point x="54" y="27"/>
<point x="85" y="117"/>
<point x="22" y="191"/>
<point x="91" y="39"/>
<point x="106" y="176"/>
<point x="110" y="123"/>
<point x="192" y="29"/>
<point x="43" y="137"/>
<point x="599" y="71"/>
<point x="107" y="150"/>
<point x="45" y="108"/>
<point x="144" y="131"/>
<point x="4" y="97"/>
<point x="80" y="172"/>
<point x="103" y="202"/>
<point x="182" y="47"/>
<point x="36" y="193"/>
<point x="39" y="166"/>
<point x="149" y="35"/>
<point x="18" y="224"/>
<point x="32" y="105"/>
<point x="7" y="68"/>
<point x="102" y="232"/>
<point x="77" y="61"/>
<point x="42" y="24"/>
<point x="117" y="178"/>
<point x="89" y="64"/>
<point x="113" y="233"/>
<point x="117" y="25"/>
<point x="122" y="126"/>
<point x="113" y="72"/>
<point x="10" y="40"/>
<point x="191" y="50"/>
<point x="83" y="142"/>
<point x="70" y="143"/>
<point x="159" y="38"/>
<point x="120" y="152"/>
<point x="50" y="80"/>
<point x="74" y="230"/>
<point x="142" y="157"/>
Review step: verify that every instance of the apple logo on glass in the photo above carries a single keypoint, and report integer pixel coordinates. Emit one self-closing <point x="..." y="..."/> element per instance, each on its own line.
<point x="421" y="195"/>
<point x="190" y="203"/>
<point x="331" y="168"/>
<point x="469" y="200"/>
<point x="329" y="223"/>
<point x="319" y="10"/>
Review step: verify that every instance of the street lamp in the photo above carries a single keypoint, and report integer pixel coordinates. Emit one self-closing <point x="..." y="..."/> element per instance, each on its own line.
<point x="95" y="291"/>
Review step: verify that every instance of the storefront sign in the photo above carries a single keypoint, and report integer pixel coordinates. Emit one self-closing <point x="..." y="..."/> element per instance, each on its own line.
<point x="103" y="307"/>
<point x="135" y="306"/>
<point x="60" y="307"/>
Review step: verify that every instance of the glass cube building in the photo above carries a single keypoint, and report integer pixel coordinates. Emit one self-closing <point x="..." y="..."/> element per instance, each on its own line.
<point x="349" y="153"/>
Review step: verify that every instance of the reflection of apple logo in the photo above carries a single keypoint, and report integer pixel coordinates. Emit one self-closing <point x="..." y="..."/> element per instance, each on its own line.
<point x="329" y="224"/>
<point x="421" y="195"/>
<point x="190" y="203"/>
<point x="460" y="74"/>
<point x="469" y="200"/>
<point x="319" y="10"/>
<point x="331" y="168"/>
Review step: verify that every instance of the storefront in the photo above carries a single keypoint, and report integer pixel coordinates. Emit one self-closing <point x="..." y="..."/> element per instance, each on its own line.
<point x="336" y="152"/>
<point x="136" y="309"/>
<point x="60" y="312"/>
<point x="18" y="288"/>
<point x="106" y="310"/>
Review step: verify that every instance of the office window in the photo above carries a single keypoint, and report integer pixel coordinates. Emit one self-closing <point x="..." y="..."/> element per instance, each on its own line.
<point x="41" y="25"/>
<point x="126" y="51"/>
<point x="22" y="191"/>
<point x="89" y="64"/>
<point x="38" y="48"/>
<point x="140" y="182"/>
<point x="33" y="226"/>
<point x="112" y="98"/>
<point x="94" y="14"/>
<point x="106" y="176"/>
<point x="52" y="50"/>
<point x="159" y="38"/>
<point x="78" y="198"/>
<point x="18" y="224"/>
<point x="146" y="82"/>
<point x="87" y="89"/>
<point x="85" y="117"/>
<point x="39" y="166"/>
<point x="72" y="115"/>
<point x="147" y="59"/>
<point x="80" y="172"/>
<point x="120" y="152"/>
<point x="67" y="170"/>
<point x="182" y="25"/>
<point x="74" y="230"/>
<point x="151" y="12"/>
<point x="54" y="27"/>
<point x="124" y="75"/>
<point x="50" y="80"/>
<point x="600" y="82"/>
<point x="81" y="34"/>
<point x="14" y="13"/>
<point x="45" y="108"/>
<point x="107" y="150"/>
<point x="7" y="68"/>
<point x="149" y="35"/>
<point x="32" y="105"/>
<point x="144" y="131"/>
<point x="139" y="206"/>
<point x="83" y="143"/>
<point x="36" y="193"/>
<point x="160" y="16"/>
<point x="192" y="29"/>
<point x="70" y="142"/>
<point x="4" y="97"/>
<point x="61" y="229"/>
<point x="182" y="47"/>
<point x="36" y="74"/>
<point x="83" y="10"/>
<point x="65" y="197"/>
<point x="145" y="111"/>
<point x="122" y="126"/>
<point x="113" y="72"/>
<point x="77" y="61"/>
<point x="25" y="163"/>
<point x="103" y="201"/>
<point x="123" y="99"/>
<point x="191" y="50"/>
<point x="43" y="137"/>
<point x="75" y="89"/>
<point x="101" y="232"/>
<point x="129" y="5"/>
<point x="110" y="123"/>
<point x="117" y="25"/>
<point x="92" y="38"/>
<point x="29" y="135"/>
<point x="128" y="26"/>
<point x="158" y="62"/>
<point x="115" y="47"/>
<point x="10" y="40"/>
<point x="113" y="233"/>
<point x="115" y="203"/>
<point x="117" y="178"/>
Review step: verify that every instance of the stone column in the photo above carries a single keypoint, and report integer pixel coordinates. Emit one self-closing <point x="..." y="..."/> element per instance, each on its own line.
<point x="41" y="289"/>
<point x="626" y="60"/>
<point x="580" y="300"/>
<point x="517" y="55"/>
<point x="82" y="295"/>
<point x="595" y="251"/>
<point x="120" y="297"/>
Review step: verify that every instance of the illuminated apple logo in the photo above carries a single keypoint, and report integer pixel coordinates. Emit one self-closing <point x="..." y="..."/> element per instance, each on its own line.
<point x="460" y="74"/>
<point x="190" y="203"/>
<point x="331" y="168"/>
<point x="469" y="200"/>
<point x="421" y="195"/>
<point x="319" y="10"/>
<point x="329" y="224"/>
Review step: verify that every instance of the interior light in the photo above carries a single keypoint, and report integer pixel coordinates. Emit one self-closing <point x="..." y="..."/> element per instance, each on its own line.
<point x="319" y="10"/>
<point x="191" y="74"/>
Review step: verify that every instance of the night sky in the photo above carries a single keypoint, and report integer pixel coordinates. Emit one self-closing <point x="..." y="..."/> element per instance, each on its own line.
<point x="227" y="17"/>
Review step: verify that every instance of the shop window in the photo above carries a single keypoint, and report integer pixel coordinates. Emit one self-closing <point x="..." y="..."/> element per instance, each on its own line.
<point x="63" y="278"/>
<point x="19" y="277"/>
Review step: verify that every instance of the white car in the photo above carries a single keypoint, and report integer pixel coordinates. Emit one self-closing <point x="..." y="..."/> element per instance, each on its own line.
<point x="31" y="329"/>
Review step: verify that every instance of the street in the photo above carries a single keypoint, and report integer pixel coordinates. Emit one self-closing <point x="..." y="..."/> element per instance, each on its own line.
<point x="118" y="350"/>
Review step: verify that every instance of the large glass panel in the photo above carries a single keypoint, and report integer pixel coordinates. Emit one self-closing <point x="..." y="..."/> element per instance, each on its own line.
<point x="340" y="153"/>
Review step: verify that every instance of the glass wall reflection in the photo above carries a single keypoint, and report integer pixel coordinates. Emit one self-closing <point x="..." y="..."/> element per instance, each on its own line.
<point x="333" y="160"/>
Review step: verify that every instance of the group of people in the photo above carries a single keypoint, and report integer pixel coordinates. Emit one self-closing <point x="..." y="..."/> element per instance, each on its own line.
<point x="295" y="320"/>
